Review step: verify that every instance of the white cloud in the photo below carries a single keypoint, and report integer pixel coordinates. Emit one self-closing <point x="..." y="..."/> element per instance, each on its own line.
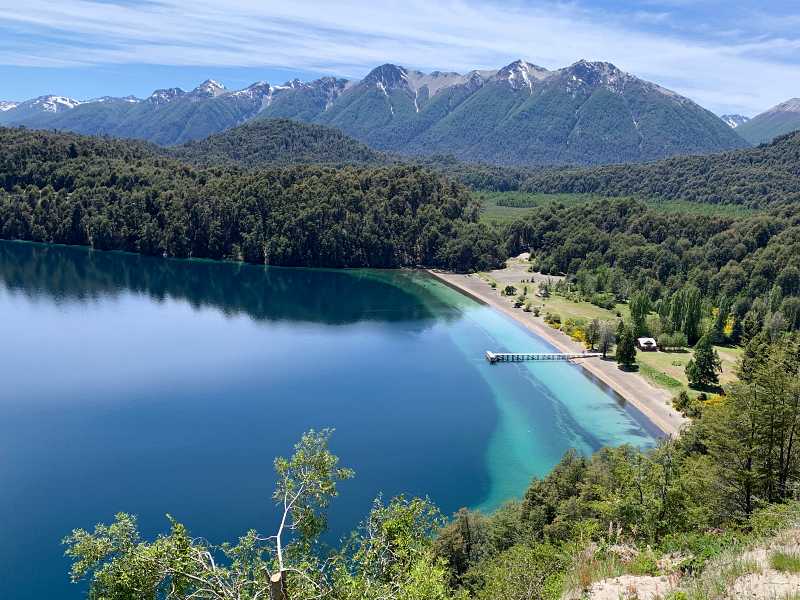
<point x="347" y="37"/>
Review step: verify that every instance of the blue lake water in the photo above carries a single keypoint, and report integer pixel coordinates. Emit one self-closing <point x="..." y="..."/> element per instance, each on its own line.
<point x="151" y="386"/>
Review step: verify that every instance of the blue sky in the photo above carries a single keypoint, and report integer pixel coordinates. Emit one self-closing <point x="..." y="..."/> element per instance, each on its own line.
<point x="729" y="56"/>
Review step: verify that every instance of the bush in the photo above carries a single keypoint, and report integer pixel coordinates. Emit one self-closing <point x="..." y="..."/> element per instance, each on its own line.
<point x="672" y="341"/>
<point x="553" y="319"/>
<point x="606" y="301"/>
<point x="645" y="563"/>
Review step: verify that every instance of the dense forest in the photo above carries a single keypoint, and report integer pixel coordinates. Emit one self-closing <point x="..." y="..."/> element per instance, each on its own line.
<point x="748" y="268"/>
<point x="278" y="141"/>
<point x="757" y="177"/>
<point x="116" y="195"/>
<point x="727" y="481"/>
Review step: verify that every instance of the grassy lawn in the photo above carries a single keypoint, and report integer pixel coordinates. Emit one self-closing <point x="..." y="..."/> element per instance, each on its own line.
<point x="568" y="309"/>
<point x="667" y="369"/>
<point x="663" y="369"/>
<point x="504" y="207"/>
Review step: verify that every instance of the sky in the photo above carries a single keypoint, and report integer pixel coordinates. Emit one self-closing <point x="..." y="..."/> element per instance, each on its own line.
<point x="729" y="56"/>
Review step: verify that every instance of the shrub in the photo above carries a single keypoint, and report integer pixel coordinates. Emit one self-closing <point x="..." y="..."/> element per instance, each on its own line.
<point x="786" y="562"/>
<point x="673" y="341"/>
<point x="645" y="563"/>
<point x="606" y="301"/>
<point x="553" y="319"/>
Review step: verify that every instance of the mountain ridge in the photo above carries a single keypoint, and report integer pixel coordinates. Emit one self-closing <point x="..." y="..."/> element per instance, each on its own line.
<point x="779" y="120"/>
<point x="586" y="113"/>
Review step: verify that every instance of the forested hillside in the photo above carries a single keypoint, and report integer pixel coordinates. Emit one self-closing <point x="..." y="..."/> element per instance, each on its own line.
<point x="744" y="272"/>
<point x="278" y="141"/>
<point x="757" y="177"/>
<point x="113" y="195"/>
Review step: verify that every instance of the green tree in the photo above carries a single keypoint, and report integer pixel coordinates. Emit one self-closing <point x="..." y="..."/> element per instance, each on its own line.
<point x="704" y="367"/>
<point x="119" y="565"/>
<point x="392" y="556"/>
<point x="640" y="307"/>
<point x="626" y="348"/>
<point x="593" y="333"/>
<point x="606" y="337"/>
<point x="523" y="572"/>
<point x="693" y="311"/>
<point x="720" y="320"/>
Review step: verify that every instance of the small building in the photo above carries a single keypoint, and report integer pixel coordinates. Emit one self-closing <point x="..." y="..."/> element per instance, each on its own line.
<point x="646" y="343"/>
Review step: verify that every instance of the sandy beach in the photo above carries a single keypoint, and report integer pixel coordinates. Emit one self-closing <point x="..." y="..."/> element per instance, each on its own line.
<point x="653" y="403"/>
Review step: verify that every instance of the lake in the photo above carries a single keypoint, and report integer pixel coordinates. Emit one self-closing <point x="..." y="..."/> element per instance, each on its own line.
<point x="151" y="386"/>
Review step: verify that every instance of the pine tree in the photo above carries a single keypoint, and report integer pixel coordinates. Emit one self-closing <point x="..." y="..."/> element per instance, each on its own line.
<point x="626" y="348"/>
<point x="702" y="371"/>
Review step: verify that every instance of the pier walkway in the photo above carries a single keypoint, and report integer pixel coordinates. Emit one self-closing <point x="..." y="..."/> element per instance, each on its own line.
<point x="494" y="357"/>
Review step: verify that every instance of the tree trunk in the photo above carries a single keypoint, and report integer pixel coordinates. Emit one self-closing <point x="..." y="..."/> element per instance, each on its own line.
<point x="277" y="586"/>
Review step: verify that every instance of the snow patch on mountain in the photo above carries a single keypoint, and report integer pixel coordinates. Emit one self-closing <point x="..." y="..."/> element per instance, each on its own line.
<point x="7" y="105"/>
<point x="209" y="89"/>
<point x="521" y="74"/>
<point x="53" y="104"/>
<point x="733" y="121"/>
<point x="257" y="90"/>
<point x="165" y="96"/>
<point x="104" y="99"/>
<point x="792" y="105"/>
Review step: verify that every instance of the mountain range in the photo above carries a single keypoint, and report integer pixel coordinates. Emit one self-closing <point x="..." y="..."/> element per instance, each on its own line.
<point x="778" y="120"/>
<point x="587" y="113"/>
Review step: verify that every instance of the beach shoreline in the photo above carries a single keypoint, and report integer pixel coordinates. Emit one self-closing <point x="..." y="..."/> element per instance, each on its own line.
<point x="652" y="403"/>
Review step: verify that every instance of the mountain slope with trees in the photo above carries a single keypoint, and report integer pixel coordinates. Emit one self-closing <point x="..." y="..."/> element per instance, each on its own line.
<point x="757" y="177"/>
<point x="278" y="141"/>
<point x="116" y="195"/>
<point x="778" y="120"/>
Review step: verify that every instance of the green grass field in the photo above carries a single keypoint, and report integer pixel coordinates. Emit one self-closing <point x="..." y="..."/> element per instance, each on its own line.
<point x="504" y="207"/>
<point x="664" y="369"/>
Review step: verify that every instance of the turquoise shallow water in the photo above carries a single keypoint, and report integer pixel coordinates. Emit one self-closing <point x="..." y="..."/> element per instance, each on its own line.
<point x="154" y="386"/>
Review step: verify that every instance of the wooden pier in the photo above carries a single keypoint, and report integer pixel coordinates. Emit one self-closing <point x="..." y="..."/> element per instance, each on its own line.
<point x="494" y="357"/>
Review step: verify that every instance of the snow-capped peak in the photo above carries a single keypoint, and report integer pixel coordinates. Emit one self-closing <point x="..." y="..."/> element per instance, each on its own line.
<point x="259" y="89"/>
<point x="792" y="105"/>
<point x="166" y="95"/>
<point x="733" y="121"/>
<point x="522" y="75"/>
<point x="209" y="88"/>
<point x="53" y="104"/>
<point x="388" y="77"/>
<point x="7" y="105"/>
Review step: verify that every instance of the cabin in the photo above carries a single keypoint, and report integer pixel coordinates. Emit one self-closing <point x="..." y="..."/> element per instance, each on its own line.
<point x="646" y="344"/>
